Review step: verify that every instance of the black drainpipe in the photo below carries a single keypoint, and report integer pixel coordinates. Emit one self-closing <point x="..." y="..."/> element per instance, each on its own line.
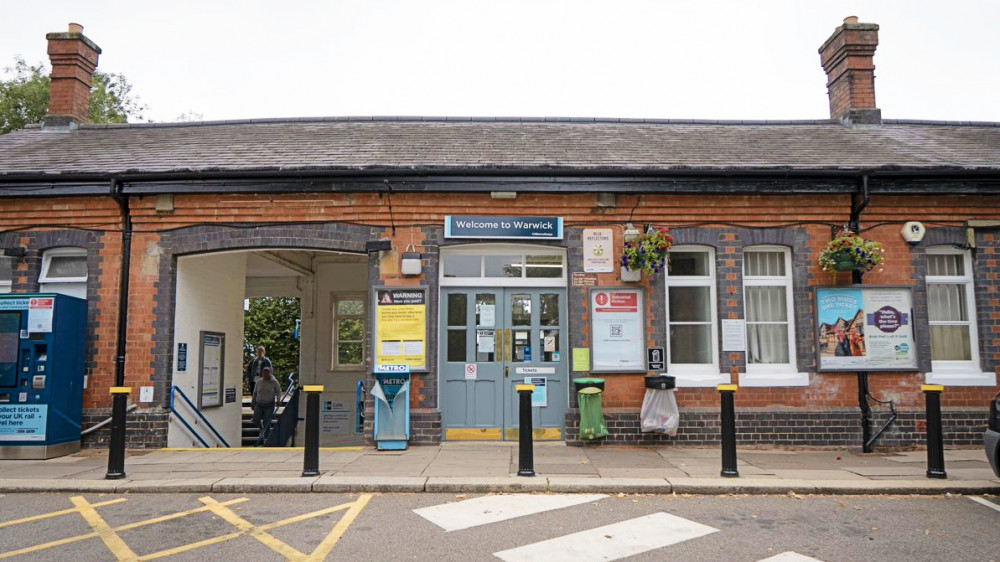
<point x="116" y="448"/>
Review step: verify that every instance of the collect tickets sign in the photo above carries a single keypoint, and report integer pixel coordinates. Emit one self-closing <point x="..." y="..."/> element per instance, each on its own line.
<point x="619" y="343"/>
<point x="865" y="329"/>
<point x="401" y="327"/>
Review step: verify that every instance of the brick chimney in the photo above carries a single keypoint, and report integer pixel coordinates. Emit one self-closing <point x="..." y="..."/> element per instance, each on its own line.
<point x="74" y="59"/>
<point x="848" y="59"/>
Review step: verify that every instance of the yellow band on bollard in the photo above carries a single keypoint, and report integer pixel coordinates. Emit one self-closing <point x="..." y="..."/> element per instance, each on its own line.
<point x="313" y="388"/>
<point x="121" y="390"/>
<point x="528" y="387"/>
<point x="727" y="387"/>
<point x="932" y="388"/>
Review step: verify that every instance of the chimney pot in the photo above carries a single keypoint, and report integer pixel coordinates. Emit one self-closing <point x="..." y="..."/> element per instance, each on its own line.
<point x="74" y="59"/>
<point x="848" y="59"/>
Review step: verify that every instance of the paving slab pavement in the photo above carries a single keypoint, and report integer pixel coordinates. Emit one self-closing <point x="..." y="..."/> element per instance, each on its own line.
<point x="492" y="467"/>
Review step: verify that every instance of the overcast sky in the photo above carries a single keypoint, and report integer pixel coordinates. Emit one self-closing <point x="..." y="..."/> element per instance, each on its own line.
<point x="697" y="59"/>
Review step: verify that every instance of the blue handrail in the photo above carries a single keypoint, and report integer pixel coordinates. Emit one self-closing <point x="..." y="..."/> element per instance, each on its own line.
<point x="176" y="389"/>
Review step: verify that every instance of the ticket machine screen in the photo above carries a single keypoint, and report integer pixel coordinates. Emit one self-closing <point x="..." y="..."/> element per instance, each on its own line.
<point x="10" y="330"/>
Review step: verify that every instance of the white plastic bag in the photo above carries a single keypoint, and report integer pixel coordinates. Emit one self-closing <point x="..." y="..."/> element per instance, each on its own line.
<point x="659" y="412"/>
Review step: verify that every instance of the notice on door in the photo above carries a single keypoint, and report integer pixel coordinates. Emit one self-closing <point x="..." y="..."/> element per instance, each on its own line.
<point x="619" y="343"/>
<point x="401" y="327"/>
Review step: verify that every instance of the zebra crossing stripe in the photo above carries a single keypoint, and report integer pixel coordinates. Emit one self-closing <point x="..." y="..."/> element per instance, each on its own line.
<point x="490" y="509"/>
<point x="611" y="542"/>
<point x="790" y="557"/>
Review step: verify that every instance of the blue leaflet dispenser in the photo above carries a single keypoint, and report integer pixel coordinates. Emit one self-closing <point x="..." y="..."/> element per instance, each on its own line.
<point x="392" y="406"/>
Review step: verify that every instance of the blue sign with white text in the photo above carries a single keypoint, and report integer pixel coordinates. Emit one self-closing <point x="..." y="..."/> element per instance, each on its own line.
<point x="503" y="227"/>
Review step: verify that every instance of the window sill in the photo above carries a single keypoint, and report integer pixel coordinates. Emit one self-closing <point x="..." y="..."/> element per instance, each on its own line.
<point x="701" y="379"/>
<point x="969" y="378"/>
<point x="774" y="378"/>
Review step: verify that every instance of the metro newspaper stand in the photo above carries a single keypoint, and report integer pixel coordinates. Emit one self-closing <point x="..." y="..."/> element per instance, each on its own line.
<point x="42" y="340"/>
<point x="392" y="406"/>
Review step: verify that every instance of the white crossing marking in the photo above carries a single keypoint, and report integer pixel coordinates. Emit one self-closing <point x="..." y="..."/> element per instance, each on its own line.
<point x="490" y="509"/>
<point x="987" y="503"/>
<point x="790" y="557"/>
<point x="611" y="542"/>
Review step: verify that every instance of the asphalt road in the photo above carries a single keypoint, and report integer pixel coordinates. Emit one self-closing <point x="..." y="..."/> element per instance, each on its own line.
<point x="463" y="527"/>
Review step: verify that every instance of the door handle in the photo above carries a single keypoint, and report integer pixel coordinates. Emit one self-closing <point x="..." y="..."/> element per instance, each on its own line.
<point x="506" y="372"/>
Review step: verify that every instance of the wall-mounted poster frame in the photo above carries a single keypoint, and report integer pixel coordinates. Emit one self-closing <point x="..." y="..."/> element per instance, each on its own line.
<point x="865" y="328"/>
<point x="618" y="330"/>
<point x="400" y="328"/>
<point x="211" y="369"/>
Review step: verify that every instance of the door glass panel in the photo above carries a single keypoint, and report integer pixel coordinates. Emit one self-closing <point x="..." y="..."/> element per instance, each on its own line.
<point x="503" y="266"/>
<point x="462" y="266"/>
<point x="690" y="304"/>
<point x="549" y="346"/>
<point x="689" y="264"/>
<point x="691" y="344"/>
<point x="544" y="266"/>
<point x="520" y="310"/>
<point x="486" y="310"/>
<point x="486" y="346"/>
<point x="456" y="345"/>
<point x="520" y="342"/>
<point x="548" y="314"/>
<point x="456" y="309"/>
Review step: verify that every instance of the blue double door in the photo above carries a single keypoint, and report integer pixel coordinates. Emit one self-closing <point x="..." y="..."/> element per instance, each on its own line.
<point x="491" y="340"/>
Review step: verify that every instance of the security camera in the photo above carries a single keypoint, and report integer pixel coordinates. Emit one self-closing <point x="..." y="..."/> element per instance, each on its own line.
<point x="913" y="232"/>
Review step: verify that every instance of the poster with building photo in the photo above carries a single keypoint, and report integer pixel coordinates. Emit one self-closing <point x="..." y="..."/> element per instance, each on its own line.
<point x="618" y="333"/>
<point x="401" y="327"/>
<point x="865" y="329"/>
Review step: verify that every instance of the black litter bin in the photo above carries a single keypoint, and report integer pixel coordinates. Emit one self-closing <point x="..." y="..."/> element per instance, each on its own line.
<point x="660" y="382"/>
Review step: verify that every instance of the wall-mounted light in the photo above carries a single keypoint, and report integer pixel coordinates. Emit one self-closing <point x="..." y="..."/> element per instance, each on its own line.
<point x="411" y="261"/>
<point x="503" y="194"/>
<point x="631" y="232"/>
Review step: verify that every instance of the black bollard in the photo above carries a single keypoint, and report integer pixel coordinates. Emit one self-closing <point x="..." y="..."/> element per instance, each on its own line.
<point x="935" y="439"/>
<point x="116" y="445"/>
<point x="727" y="392"/>
<point x="310" y="458"/>
<point x="526" y="456"/>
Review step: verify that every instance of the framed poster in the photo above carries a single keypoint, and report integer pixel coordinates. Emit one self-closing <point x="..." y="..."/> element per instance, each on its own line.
<point x="865" y="328"/>
<point x="401" y="327"/>
<point x="598" y="250"/>
<point x="618" y="330"/>
<point x="211" y="369"/>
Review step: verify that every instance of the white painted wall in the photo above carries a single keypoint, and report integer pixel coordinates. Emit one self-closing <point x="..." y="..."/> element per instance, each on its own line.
<point x="334" y="275"/>
<point x="210" y="293"/>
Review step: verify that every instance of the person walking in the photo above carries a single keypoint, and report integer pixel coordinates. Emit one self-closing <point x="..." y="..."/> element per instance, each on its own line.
<point x="266" y="394"/>
<point x="255" y="369"/>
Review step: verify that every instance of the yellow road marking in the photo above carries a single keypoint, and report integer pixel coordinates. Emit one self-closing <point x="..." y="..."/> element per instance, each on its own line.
<point x="304" y="516"/>
<point x="242" y="524"/>
<point x="114" y="543"/>
<point x="192" y="546"/>
<point x="56" y="513"/>
<point x="325" y="547"/>
<point x="136" y="525"/>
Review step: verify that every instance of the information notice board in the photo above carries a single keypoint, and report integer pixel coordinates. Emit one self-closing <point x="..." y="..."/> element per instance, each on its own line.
<point x="618" y="329"/>
<point x="211" y="372"/>
<point x="865" y="329"/>
<point x="401" y="327"/>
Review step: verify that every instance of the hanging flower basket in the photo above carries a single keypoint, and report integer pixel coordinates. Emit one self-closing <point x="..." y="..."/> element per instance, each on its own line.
<point x="648" y="253"/>
<point x="850" y="252"/>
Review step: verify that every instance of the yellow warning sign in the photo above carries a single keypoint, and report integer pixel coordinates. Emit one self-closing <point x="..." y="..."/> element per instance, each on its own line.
<point x="401" y="327"/>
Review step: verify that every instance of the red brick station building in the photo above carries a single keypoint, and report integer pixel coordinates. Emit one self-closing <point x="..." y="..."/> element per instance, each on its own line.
<point x="492" y="223"/>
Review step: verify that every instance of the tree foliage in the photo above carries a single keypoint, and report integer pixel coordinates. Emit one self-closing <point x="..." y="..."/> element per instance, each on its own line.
<point x="271" y="322"/>
<point x="24" y="97"/>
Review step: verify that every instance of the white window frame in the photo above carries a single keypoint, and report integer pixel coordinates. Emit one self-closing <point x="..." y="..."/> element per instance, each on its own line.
<point x="335" y="333"/>
<point x="483" y="250"/>
<point x="7" y="284"/>
<point x="773" y="374"/>
<point x="691" y="375"/>
<point x="959" y="373"/>
<point x="61" y="284"/>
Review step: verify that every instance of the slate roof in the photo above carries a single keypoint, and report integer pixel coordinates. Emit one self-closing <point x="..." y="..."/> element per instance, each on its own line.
<point x="401" y="145"/>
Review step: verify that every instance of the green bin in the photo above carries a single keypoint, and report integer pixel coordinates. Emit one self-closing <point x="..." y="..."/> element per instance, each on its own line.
<point x="592" y="424"/>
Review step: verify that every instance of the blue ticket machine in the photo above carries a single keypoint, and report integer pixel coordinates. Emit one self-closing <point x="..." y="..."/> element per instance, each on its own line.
<point x="392" y="406"/>
<point x="42" y="339"/>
